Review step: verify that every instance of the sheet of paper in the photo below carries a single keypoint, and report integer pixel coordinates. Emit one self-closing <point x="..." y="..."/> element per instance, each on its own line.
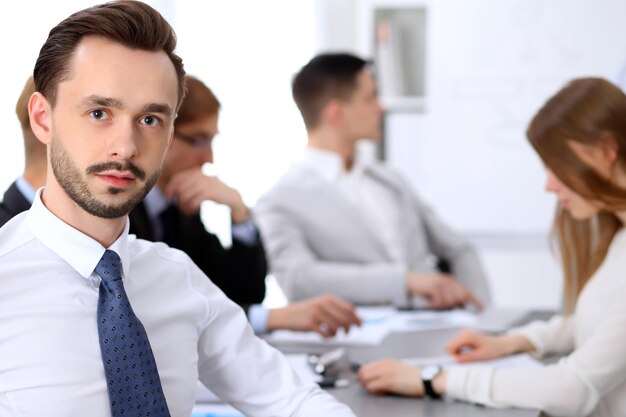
<point x="405" y="321"/>
<point x="376" y="325"/>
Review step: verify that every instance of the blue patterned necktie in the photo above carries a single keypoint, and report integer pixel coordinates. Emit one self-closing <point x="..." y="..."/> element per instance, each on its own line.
<point x="131" y="373"/>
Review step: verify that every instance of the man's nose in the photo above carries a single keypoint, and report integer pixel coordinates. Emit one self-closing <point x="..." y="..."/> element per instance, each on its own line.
<point x="123" y="141"/>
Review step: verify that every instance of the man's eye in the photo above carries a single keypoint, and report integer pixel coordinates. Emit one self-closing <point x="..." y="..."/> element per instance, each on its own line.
<point x="99" y="114"/>
<point x="150" y="120"/>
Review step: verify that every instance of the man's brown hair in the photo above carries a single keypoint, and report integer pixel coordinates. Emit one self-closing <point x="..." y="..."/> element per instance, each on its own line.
<point x="325" y="77"/>
<point x="131" y="23"/>
<point x="199" y="102"/>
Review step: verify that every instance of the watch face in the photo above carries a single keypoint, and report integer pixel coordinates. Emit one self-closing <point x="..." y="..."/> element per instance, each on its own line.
<point x="430" y="372"/>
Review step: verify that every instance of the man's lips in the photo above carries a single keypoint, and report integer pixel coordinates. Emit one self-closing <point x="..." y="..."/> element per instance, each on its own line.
<point x="117" y="179"/>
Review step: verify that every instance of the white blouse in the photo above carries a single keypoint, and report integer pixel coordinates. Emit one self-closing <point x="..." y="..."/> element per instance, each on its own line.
<point x="591" y="380"/>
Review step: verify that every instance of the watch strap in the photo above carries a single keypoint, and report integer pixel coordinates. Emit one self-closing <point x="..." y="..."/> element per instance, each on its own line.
<point x="429" y="390"/>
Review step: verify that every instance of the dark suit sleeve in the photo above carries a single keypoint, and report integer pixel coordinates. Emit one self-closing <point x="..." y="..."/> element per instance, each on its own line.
<point x="5" y="216"/>
<point x="238" y="271"/>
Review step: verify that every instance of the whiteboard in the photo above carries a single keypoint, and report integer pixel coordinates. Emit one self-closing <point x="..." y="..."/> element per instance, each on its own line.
<point x="490" y="65"/>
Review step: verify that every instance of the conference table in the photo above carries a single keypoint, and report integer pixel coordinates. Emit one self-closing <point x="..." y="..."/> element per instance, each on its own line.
<point x="429" y="343"/>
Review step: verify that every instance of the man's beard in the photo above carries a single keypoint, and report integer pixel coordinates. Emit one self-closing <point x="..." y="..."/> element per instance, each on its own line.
<point x="69" y="177"/>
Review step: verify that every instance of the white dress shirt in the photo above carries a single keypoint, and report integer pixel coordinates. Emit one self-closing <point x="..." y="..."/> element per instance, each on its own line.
<point x="370" y="199"/>
<point x="591" y="380"/>
<point x="50" y="361"/>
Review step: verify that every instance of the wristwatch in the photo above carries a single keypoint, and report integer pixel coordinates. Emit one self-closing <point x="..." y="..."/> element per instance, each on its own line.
<point x="428" y="375"/>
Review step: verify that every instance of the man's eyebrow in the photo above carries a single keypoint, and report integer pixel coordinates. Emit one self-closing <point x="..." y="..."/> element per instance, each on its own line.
<point x="164" y="109"/>
<point x="94" y="100"/>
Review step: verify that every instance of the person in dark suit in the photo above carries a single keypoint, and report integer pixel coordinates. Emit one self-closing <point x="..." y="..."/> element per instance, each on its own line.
<point x="170" y="213"/>
<point x="21" y="193"/>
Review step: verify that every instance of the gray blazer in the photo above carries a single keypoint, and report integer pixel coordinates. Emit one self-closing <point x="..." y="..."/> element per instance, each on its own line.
<point x="317" y="242"/>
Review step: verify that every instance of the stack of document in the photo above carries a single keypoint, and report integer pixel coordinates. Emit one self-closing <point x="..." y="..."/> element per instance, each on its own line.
<point x="376" y="325"/>
<point x="378" y="322"/>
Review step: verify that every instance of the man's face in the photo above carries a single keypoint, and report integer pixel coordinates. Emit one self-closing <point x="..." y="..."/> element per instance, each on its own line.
<point x="363" y="112"/>
<point x="111" y="125"/>
<point x="191" y="147"/>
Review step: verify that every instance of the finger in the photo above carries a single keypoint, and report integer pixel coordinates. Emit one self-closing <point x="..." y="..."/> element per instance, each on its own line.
<point x="463" y="340"/>
<point x="372" y="370"/>
<point x="190" y="196"/>
<point x="344" y="318"/>
<point x="190" y="205"/>
<point x="474" y="300"/>
<point x="366" y="381"/>
<point x="346" y="308"/>
<point x="339" y="319"/>
<point x="435" y="299"/>
<point x="455" y="347"/>
<point x="471" y="355"/>
<point x="376" y="386"/>
<point x="175" y="183"/>
<point x="171" y="188"/>
<point x="448" y="296"/>
<point x="192" y="184"/>
<point x="455" y="292"/>
<point x="184" y="181"/>
<point x="325" y="330"/>
<point x="366" y="373"/>
<point x="460" y="293"/>
<point x="326" y="325"/>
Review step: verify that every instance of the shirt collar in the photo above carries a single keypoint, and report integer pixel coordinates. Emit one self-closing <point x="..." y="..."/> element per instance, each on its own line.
<point x="329" y="165"/>
<point x="326" y="164"/>
<point x="76" y="248"/>
<point x="25" y="188"/>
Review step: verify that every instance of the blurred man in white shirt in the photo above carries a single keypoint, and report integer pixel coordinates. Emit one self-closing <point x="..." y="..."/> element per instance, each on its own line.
<point x="336" y="225"/>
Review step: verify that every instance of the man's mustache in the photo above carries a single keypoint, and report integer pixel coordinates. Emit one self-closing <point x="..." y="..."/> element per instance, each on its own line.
<point x="117" y="166"/>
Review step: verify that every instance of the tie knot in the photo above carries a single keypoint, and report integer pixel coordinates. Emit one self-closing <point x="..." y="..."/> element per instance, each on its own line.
<point x="109" y="267"/>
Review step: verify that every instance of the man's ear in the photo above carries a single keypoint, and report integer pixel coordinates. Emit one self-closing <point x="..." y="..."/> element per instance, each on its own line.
<point x="40" y="114"/>
<point x="333" y="112"/>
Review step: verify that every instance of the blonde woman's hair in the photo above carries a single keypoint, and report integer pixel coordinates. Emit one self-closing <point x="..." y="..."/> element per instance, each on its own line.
<point x="587" y="111"/>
